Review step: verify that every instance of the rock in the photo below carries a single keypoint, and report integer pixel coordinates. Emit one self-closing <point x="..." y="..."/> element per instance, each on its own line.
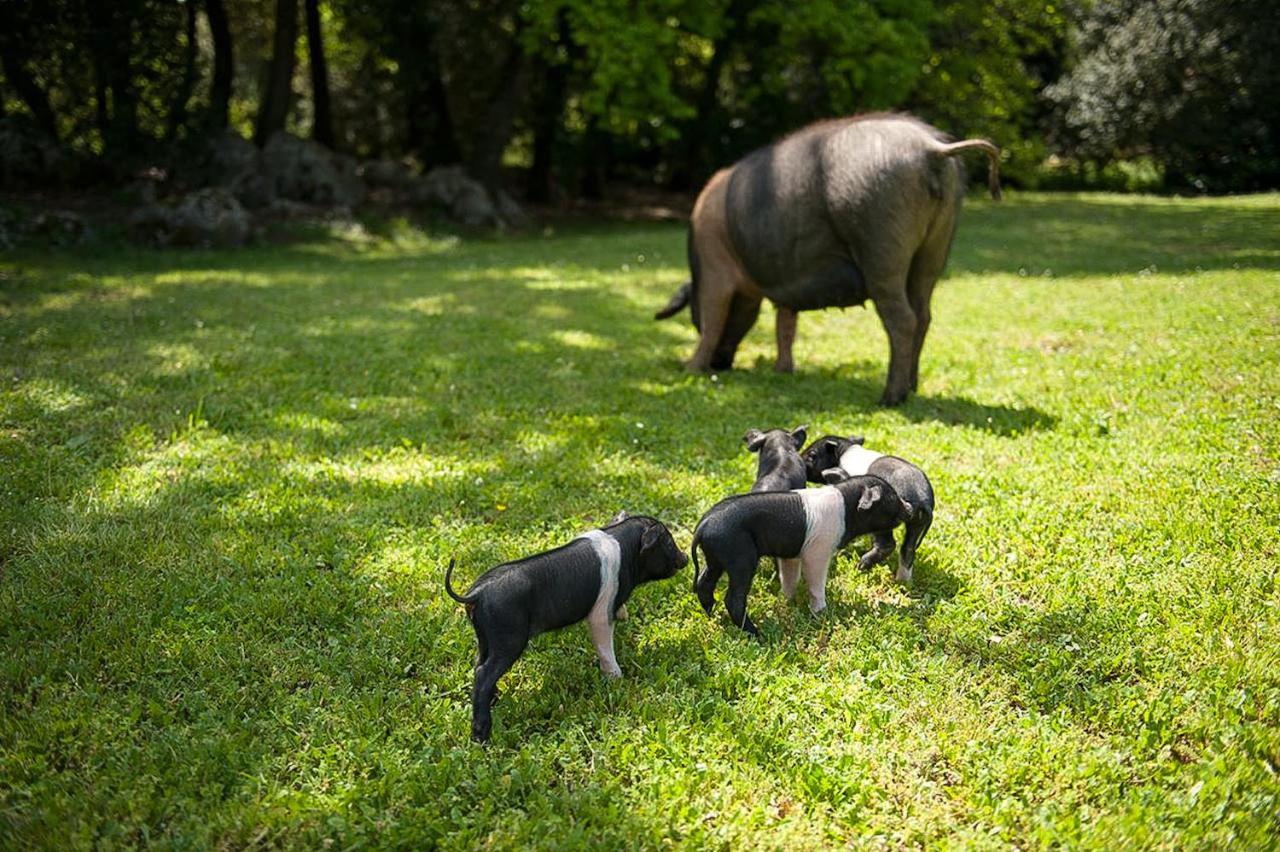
<point x="441" y="185"/>
<point x="467" y="200"/>
<point x="283" y="208"/>
<point x="302" y="170"/>
<point x="144" y="188"/>
<point x="9" y="231"/>
<point x="60" y="227"/>
<point x="234" y="162"/>
<point x="207" y="217"/>
<point x="387" y="174"/>
<point x="471" y="206"/>
<point x="511" y="213"/>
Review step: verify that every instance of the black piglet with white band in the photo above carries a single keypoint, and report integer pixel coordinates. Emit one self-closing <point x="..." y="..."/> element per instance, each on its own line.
<point x="830" y="459"/>
<point x="590" y="578"/>
<point x="802" y="528"/>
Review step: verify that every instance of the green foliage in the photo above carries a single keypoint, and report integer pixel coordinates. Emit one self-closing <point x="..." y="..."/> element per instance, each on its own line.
<point x="232" y="482"/>
<point x="1188" y="81"/>
<point x="987" y="65"/>
<point x="841" y="56"/>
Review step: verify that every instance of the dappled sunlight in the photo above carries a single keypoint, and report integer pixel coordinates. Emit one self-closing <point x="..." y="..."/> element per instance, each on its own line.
<point x="394" y="467"/>
<point x="234" y="495"/>
<point x="173" y="359"/>
<point x="51" y="396"/>
<point x="576" y="339"/>
<point x="302" y="421"/>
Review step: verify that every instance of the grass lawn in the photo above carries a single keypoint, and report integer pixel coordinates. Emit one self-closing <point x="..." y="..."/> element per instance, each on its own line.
<point x="230" y="483"/>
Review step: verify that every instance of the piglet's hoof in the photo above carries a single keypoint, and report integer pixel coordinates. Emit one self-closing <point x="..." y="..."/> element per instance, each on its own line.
<point x="611" y="673"/>
<point x="621" y="614"/>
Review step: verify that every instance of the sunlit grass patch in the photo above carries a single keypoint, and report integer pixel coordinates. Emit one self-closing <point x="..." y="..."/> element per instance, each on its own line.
<point x="230" y="484"/>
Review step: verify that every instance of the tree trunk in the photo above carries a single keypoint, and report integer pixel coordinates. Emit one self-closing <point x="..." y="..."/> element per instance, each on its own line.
<point x="499" y="119"/>
<point x="594" y="161"/>
<point x="546" y="121"/>
<point x="220" y="90"/>
<point x="279" y="89"/>
<point x="178" y="112"/>
<point x="322" y="126"/>
<point x="693" y="166"/>
<point x="430" y="134"/>
<point x="111" y="46"/>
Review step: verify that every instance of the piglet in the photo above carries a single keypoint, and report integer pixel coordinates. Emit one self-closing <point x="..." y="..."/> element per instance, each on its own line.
<point x="830" y="459"/>
<point x="589" y="578"/>
<point x="780" y="467"/>
<point x="803" y="528"/>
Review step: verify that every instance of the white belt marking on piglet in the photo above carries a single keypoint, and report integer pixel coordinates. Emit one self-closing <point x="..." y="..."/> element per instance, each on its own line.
<point x="600" y="619"/>
<point x="823" y="529"/>
<point x="855" y="460"/>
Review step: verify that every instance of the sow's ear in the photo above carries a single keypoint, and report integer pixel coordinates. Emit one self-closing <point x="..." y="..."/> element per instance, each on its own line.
<point x="857" y="439"/>
<point x="832" y="475"/>
<point x="651" y="536"/>
<point x="799" y="435"/>
<point x="870" y="495"/>
<point x="754" y="439"/>
<point x="618" y="518"/>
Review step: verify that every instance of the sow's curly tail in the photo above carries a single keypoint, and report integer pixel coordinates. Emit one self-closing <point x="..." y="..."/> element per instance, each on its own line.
<point x="993" y="159"/>
<point x="448" y="587"/>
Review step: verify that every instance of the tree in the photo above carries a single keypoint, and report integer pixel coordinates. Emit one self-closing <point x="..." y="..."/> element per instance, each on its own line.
<point x="19" y="31"/>
<point x="1192" y="82"/>
<point x="277" y="96"/>
<point x="322" y="126"/>
<point x="223" y="67"/>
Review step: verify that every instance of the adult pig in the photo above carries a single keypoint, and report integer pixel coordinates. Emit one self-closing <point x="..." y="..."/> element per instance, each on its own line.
<point x="834" y="214"/>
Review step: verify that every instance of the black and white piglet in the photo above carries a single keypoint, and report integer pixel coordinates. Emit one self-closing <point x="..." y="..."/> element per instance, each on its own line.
<point x="589" y="578"/>
<point x="803" y="528"/>
<point x="780" y="467"/>
<point x="830" y="459"/>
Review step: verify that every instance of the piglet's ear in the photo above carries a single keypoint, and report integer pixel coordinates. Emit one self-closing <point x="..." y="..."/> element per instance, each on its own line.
<point x="870" y="495"/>
<point x="831" y="444"/>
<point x="618" y="518"/>
<point x="799" y="435"/>
<point x="754" y="439"/>
<point x="907" y="509"/>
<point x="857" y="439"/>
<point x="651" y="536"/>
<point x="832" y="475"/>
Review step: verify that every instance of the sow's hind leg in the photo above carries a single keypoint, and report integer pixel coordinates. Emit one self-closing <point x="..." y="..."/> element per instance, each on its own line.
<point x="743" y="311"/>
<point x="926" y="268"/>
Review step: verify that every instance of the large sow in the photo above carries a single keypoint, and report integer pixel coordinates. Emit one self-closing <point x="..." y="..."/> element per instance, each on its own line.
<point x="834" y="214"/>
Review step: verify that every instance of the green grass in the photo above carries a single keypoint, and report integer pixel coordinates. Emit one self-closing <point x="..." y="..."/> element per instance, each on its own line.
<point x="230" y="483"/>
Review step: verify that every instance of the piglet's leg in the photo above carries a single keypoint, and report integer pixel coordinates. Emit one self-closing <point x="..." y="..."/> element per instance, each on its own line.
<point x="879" y="551"/>
<point x="602" y="637"/>
<point x="789" y="576"/>
<point x="815" y="564"/>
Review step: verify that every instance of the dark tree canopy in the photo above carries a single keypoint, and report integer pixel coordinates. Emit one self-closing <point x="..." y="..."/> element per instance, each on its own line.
<point x="564" y="97"/>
